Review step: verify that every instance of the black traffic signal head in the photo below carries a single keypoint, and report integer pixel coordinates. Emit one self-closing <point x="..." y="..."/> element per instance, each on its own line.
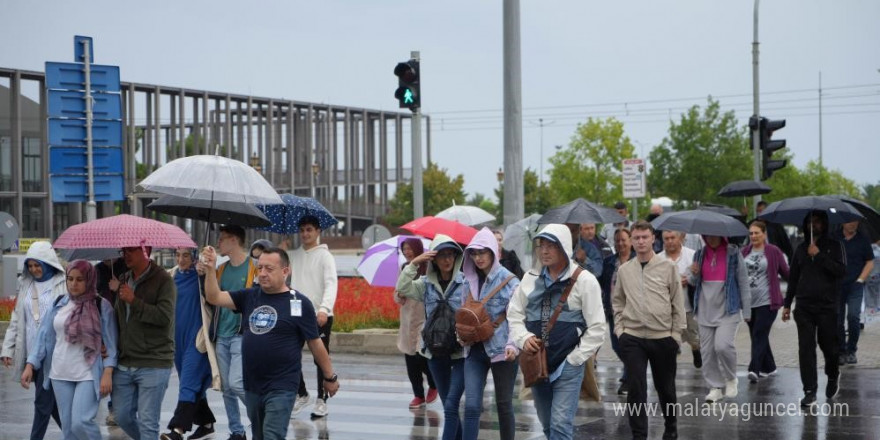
<point x="769" y="146"/>
<point x="408" y="91"/>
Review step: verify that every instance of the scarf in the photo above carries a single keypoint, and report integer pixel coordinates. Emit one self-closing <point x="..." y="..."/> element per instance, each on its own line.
<point x="48" y="271"/>
<point x="715" y="262"/>
<point x="83" y="326"/>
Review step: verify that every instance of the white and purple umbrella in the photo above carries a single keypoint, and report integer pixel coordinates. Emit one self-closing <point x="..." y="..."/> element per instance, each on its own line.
<point x="381" y="264"/>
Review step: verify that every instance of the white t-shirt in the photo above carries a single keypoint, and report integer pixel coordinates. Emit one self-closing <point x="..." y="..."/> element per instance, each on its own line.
<point x="683" y="264"/>
<point x="68" y="360"/>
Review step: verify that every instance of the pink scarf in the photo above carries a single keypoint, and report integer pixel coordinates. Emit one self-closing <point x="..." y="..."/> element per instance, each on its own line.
<point x="715" y="262"/>
<point x="83" y="326"/>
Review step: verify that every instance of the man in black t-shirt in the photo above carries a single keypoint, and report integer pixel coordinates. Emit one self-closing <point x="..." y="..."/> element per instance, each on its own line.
<point x="278" y="321"/>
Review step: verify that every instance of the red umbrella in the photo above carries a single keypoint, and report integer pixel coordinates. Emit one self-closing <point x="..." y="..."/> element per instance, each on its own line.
<point x="122" y="231"/>
<point x="430" y="226"/>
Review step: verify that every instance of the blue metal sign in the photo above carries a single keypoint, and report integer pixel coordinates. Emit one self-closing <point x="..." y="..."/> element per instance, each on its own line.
<point x="78" y="51"/>
<point x="71" y="104"/>
<point x="72" y="133"/>
<point x="71" y="76"/>
<point x="75" y="188"/>
<point x="74" y="160"/>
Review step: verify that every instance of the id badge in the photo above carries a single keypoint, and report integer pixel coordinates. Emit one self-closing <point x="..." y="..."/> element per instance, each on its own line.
<point x="296" y="308"/>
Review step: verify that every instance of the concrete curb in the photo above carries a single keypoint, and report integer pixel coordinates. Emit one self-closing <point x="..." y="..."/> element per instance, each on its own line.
<point x="366" y="341"/>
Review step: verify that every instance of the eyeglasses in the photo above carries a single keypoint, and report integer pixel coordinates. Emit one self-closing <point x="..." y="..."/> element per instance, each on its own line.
<point x="125" y="250"/>
<point x="479" y="252"/>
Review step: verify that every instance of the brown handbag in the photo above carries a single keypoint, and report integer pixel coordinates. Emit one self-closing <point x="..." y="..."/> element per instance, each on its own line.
<point x="534" y="365"/>
<point x="473" y="323"/>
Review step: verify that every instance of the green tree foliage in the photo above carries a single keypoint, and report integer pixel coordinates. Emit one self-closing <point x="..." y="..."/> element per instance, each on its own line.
<point x="872" y="195"/>
<point x="439" y="190"/>
<point x="590" y="167"/>
<point x="537" y="196"/>
<point x="703" y="151"/>
<point x="480" y="201"/>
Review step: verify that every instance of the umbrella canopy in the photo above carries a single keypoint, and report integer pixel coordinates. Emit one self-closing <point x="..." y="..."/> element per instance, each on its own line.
<point x="89" y="254"/>
<point x="872" y="217"/>
<point x="215" y="178"/>
<point x="381" y="264"/>
<point x="122" y="231"/>
<point x="466" y="214"/>
<point x="230" y="213"/>
<point x="721" y="209"/>
<point x="519" y="237"/>
<point x="430" y="226"/>
<point x="793" y="211"/>
<point x="701" y="222"/>
<point x="285" y="216"/>
<point x="581" y="211"/>
<point x="744" y="188"/>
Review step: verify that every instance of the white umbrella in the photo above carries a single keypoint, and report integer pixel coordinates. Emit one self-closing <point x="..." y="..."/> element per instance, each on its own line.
<point x="466" y="215"/>
<point x="519" y="238"/>
<point x="206" y="177"/>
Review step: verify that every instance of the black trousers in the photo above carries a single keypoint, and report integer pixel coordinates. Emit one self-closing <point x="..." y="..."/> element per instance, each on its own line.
<point x="759" y="328"/>
<point x="416" y="366"/>
<point x="324" y="332"/>
<point x="661" y="354"/>
<point x="816" y="324"/>
<point x="188" y="413"/>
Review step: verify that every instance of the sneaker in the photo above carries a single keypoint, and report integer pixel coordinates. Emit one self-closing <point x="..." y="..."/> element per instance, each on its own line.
<point x="852" y="359"/>
<point x="768" y="374"/>
<point x="730" y="388"/>
<point x="432" y="395"/>
<point x="809" y="399"/>
<point x="833" y="386"/>
<point x="623" y="389"/>
<point x="416" y="403"/>
<point x="698" y="359"/>
<point x="235" y="436"/>
<point x="204" y="432"/>
<point x="110" y="420"/>
<point x="714" y="395"/>
<point x="300" y="403"/>
<point x="753" y="377"/>
<point x="841" y="360"/>
<point x="172" y="435"/>
<point x="320" y="408"/>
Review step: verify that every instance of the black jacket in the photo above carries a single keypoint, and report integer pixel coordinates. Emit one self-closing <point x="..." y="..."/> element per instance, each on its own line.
<point x="814" y="281"/>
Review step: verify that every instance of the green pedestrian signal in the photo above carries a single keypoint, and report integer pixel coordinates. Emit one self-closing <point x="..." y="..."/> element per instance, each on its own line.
<point x="408" y="91"/>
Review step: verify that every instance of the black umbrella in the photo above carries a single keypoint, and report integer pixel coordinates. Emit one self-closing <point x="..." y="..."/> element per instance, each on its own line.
<point x="793" y="211"/>
<point x="721" y="209"/>
<point x="700" y="221"/>
<point x="744" y="188"/>
<point x="216" y="211"/>
<point x="872" y="217"/>
<point x="581" y="211"/>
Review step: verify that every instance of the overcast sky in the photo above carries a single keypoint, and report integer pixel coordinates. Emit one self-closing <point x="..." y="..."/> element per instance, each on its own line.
<point x="640" y="61"/>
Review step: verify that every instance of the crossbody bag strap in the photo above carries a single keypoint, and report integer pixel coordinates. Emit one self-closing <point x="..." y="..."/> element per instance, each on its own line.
<point x="35" y="303"/>
<point x="497" y="289"/>
<point x="563" y="298"/>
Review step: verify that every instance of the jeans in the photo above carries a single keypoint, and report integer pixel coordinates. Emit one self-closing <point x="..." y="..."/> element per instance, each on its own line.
<point x="759" y="329"/>
<point x="660" y="353"/>
<point x="816" y="324"/>
<point x="556" y="402"/>
<point x="137" y="400"/>
<point x="44" y="407"/>
<point x="416" y="366"/>
<point x="269" y="413"/>
<point x="449" y="376"/>
<point x="476" y="368"/>
<point x="849" y="309"/>
<point x="78" y="406"/>
<point x="229" y="363"/>
<point x="324" y="334"/>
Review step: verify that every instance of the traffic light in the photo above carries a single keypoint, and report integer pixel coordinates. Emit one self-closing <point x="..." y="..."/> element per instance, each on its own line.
<point x="768" y="146"/>
<point x="408" y="91"/>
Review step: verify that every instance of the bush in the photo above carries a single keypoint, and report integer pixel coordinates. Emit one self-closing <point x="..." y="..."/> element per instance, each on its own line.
<point x="7" y="305"/>
<point x="360" y="305"/>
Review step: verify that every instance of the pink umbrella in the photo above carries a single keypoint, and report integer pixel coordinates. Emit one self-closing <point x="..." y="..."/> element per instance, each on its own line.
<point x="122" y="231"/>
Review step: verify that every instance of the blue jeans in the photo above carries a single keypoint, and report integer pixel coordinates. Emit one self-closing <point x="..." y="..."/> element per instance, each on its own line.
<point x="78" y="406"/>
<point x="476" y="368"/>
<point x="850" y="307"/>
<point x="229" y="363"/>
<point x="44" y="407"/>
<point x="137" y="400"/>
<point x="269" y="413"/>
<point x="449" y="377"/>
<point x="556" y="402"/>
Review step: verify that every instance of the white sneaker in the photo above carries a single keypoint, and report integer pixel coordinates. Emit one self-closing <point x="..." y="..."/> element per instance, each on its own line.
<point x="753" y="377"/>
<point x="300" y="403"/>
<point x="772" y="373"/>
<point x="730" y="388"/>
<point x="320" y="408"/>
<point x="714" y="395"/>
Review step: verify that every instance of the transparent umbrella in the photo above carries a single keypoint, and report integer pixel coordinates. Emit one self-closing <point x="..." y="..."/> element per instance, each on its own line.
<point x="466" y="214"/>
<point x="519" y="236"/>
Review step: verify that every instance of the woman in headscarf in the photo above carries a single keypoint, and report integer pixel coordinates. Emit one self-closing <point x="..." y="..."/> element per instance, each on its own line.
<point x="78" y="331"/>
<point x="41" y="281"/>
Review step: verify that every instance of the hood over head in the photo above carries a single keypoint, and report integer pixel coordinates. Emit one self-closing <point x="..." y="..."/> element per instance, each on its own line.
<point x="439" y="243"/>
<point x="823" y="217"/>
<point x="485" y="239"/>
<point x="43" y="253"/>
<point x="559" y="234"/>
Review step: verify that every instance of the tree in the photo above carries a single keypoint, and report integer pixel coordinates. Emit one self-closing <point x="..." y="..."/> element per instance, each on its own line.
<point x="480" y="201"/>
<point x="702" y="152"/>
<point x="537" y="196"/>
<point x="872" y="195"/>
<point x="590" y="167"/>
<point x="438" y="192"/>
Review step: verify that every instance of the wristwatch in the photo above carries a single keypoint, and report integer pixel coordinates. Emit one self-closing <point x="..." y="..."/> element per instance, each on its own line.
<point x="332" y="378"/>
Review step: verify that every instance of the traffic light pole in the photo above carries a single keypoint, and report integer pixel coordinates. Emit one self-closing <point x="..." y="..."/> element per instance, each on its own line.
<point x="756" y="138"/>
<point x="416" y="129"/>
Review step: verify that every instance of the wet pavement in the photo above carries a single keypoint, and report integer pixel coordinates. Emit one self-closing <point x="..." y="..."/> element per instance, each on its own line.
<point x="372" y="403"/>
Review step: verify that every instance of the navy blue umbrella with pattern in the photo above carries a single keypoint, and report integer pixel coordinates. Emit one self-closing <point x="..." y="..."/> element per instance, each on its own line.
<point x="286" y="216"/>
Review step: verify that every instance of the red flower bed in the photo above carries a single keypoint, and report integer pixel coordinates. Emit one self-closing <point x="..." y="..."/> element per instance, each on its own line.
<point x="360" y="305"/>
<point x="7" y="305"/>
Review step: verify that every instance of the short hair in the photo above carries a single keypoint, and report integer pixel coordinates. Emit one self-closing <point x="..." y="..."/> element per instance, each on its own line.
<point x="235" y="231"/>
<point x="622" y="231"/>
<point x="282" y="254"/>
<point x="761" y="224"/>
<point x="309" y="220"/>
<point x="761" y="203"/>
<point x="679" y="233"/>
<point x="642" y="225"/>
<point x="620" y="205"/>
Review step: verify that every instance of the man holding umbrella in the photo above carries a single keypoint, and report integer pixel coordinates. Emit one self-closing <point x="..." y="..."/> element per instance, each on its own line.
<point x="816" y="270"/>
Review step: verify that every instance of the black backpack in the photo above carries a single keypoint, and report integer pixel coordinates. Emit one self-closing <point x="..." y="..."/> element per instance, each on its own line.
<point x="439" y="331"/>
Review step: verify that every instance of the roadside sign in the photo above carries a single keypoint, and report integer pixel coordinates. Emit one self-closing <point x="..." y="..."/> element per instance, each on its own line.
<point x="634" y="184"/>
<point x="71" y="104"/>
<point x="71" y="76"/>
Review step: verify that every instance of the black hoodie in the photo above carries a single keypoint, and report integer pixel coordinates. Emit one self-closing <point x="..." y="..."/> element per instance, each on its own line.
<point x="814" y="281"/>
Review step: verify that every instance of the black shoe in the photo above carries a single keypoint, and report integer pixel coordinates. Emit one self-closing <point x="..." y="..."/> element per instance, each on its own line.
<point x="833" y="386"/>
<point x="670" y="435"/>
<point x="809" y="399"/>
<point x="238" y="437"/>
<point x="172" y="435"/>
<point x="623" y="389"/>
<point x="841" y="359"/>
<point x="698" y="359"/>
<point x="203" y="432"/>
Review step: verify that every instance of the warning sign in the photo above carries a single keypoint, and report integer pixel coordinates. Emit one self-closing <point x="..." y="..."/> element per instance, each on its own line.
<point x="634" y="178"/>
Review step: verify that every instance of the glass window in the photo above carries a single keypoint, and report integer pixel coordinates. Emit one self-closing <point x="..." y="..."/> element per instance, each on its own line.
<point x="32" y="165"/>
<point x="6" y="205"/>
<point x="61" y="211"/>
<point x="32" y="218"/>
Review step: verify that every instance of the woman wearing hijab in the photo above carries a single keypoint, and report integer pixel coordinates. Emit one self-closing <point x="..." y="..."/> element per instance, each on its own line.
<point x="722" y="298"/>
<point x="41" y="282"/>
<point x="485" y="275"/>
<point x="69" y="348"/>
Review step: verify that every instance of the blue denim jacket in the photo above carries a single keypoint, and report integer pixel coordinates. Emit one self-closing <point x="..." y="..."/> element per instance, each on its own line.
<point x="496" y="345"/>
<point x="45" y="347"/>
<point x="735" y="282"/>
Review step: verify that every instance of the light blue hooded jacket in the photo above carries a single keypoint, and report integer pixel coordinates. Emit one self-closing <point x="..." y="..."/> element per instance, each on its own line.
<point x="495" y="347"/>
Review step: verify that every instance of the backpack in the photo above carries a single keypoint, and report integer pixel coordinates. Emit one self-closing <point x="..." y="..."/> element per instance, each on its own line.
<point x="439" y="331"/>
<point x="473" y="323"/>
